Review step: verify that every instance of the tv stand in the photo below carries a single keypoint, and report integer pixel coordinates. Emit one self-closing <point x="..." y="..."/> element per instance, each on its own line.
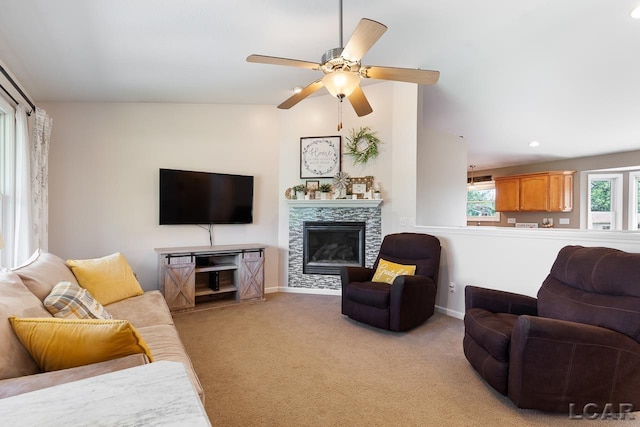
<point x="191" y="275"/>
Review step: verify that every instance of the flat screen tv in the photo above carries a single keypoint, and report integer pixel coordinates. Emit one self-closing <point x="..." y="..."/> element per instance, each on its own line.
<point x="189" y="197"/>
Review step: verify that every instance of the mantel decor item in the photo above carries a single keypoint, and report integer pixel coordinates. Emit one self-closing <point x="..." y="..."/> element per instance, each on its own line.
<point x="312" y="188"/>
<point x="360" y="187"/>
<point x="300" y="191"/>
<point x="340" y="183"/>
<point x="362" y="145"/>
<point x="325" y="191"/>
<point x="320" y="156"/>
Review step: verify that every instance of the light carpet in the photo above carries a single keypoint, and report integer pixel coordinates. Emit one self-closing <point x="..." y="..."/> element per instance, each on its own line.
<point x="295" y="360"/>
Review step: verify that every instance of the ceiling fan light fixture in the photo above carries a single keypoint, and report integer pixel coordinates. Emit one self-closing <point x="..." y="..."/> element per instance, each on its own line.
<point x="341" y="83"/>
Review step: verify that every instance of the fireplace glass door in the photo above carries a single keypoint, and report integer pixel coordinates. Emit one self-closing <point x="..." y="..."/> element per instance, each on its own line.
<point x="327" y="246"/>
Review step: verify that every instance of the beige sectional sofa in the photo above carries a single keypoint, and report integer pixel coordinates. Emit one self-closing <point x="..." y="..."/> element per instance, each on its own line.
<point x="22" y="292"/>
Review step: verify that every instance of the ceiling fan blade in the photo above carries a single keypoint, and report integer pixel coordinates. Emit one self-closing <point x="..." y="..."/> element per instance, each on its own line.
<point x="359" y="102"/>
<point x="274" y="60"/>
<point x="308" y="90"/>
<point x="423" y="77"/>
<point x="363" y="38"/>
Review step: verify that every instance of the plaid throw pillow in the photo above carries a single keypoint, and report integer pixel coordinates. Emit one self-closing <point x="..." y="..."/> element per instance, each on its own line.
<point x="69" y="301"/>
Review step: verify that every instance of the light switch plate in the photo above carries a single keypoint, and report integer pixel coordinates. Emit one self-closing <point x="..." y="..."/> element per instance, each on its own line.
<point x="564" y="221"/>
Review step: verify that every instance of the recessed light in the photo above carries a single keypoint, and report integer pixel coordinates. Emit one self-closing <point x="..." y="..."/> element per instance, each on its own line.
<point x="635" y="13"/>
<point x="534" y="144"/>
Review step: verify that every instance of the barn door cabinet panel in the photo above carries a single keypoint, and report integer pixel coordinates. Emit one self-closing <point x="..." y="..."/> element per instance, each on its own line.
<point x="536" y="192"/>
<point x="252" y="275"/>
<point x="178" y="285"/>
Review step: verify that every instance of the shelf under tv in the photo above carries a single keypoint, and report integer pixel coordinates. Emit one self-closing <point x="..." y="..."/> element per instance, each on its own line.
<point x="204" y="291"/>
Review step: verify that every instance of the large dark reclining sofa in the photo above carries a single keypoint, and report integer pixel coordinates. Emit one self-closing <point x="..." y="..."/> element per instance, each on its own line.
<point x="576" y="345"/>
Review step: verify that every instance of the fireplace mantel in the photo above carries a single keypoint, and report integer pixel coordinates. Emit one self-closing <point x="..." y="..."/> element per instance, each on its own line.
<point x="335" y="203"/>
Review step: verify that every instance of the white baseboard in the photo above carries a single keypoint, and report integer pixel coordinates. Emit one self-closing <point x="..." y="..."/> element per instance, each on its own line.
<point x="449" y="312"/>
<point x="338" y="292"/>
<point x="309" y="291"/>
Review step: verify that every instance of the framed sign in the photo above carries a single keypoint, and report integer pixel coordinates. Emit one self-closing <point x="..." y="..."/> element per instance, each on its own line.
<point x="312" y="189"/>
<point x="360" y="186"/>
<point x="320" y="156"/>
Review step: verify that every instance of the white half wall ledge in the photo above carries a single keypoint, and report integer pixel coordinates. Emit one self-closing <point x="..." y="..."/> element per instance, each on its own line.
<point x="597" y="236"/>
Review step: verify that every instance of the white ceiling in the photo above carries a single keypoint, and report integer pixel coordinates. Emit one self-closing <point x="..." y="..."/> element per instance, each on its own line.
<point x="563" y="72"/>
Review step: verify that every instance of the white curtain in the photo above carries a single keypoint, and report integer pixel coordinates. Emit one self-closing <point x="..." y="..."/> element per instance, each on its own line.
<point x="23" y="245"/>
<point x="40" y="178"/>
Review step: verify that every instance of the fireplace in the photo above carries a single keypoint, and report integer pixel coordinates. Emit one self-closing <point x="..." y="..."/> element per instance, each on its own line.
<point x="327" y="246"/>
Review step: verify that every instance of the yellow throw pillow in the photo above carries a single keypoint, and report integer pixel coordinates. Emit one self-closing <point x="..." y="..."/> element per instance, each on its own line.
<point x="387" y="271"/>
<point x="108" y="279"/>
<point x="66" y="343"/>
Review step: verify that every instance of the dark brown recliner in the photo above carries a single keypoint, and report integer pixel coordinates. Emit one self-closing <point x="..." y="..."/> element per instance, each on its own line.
<point x="577" y="344"/>
<point x="410" y="300"/>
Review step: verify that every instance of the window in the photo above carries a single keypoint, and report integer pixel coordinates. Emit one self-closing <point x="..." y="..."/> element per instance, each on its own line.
<point x="481" y="202"/>
<point x="7" y="143"/>
<point x="605" y="202"/>
<point x="634" y="200"/>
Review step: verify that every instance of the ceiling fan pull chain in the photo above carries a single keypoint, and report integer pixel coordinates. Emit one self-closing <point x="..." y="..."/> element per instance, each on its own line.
<point x="340" y="112"/>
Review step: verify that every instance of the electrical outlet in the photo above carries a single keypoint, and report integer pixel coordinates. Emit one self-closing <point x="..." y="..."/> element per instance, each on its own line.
<point x="564" y="221"/>
<point x="452" y="287"/>
<point x="511" y="220"/>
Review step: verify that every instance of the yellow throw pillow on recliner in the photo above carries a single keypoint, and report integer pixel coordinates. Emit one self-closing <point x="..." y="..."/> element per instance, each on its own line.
<point x="108" y="279"/>
<point x="66" y="343"/>
<point x="387" y="271"/>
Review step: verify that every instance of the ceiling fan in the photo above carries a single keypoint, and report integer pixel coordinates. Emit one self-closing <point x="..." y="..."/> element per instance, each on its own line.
<point x="342" y="68"/>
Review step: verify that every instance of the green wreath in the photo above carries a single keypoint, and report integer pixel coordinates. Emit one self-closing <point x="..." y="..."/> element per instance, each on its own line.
<point x="362" y="145"/>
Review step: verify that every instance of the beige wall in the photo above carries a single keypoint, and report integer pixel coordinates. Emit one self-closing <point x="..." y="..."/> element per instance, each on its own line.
<point x="105" y="157"/>
<point x="103" y="176"/>
<point x="441" y="182"/>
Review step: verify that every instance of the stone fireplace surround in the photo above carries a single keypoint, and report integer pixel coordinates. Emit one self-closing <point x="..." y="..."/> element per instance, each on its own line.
<point x="367" y="211"/>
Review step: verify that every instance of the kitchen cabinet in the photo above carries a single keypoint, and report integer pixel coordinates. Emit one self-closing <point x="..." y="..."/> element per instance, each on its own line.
<point x="536" y="192"/>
